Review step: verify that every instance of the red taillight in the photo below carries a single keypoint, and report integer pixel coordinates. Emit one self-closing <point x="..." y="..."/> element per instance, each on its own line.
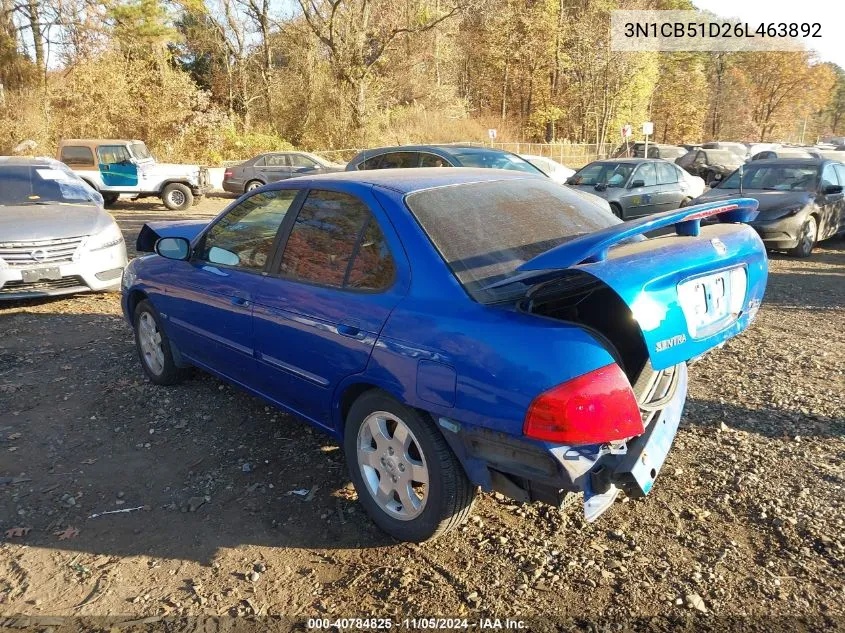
<point x="592" y="409"/>
<point x="227" y="173"/>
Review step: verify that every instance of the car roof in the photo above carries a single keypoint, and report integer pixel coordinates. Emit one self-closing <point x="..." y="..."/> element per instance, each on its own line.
<point x="444" y="148"/>
<point x="28" y="160"/>
<point x="97" y="141"/>
<point x="417" y="179"/>
<point x="794" y="160"/>
<point x="633" y="159"/>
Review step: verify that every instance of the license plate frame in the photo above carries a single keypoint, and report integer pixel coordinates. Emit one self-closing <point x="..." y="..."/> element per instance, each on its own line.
<point x="34" y="275"/>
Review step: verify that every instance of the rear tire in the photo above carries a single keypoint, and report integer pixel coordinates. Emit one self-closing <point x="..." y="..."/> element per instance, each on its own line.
<point x="806" y="238"/>
<point x="153" y="347"/>
<point x="407" y="478"/>
<point x="617" y="210"/>
<point x="177" y="197"/>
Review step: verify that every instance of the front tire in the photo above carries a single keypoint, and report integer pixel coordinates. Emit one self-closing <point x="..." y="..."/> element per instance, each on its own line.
<point x="617" y="210"/>
<point x="806" y="238"/>
<point x="153" y="347"/>
<point x="177" y="197"/>
<point x="253" y="184"/>
<point x="407" y="478"/>
<point x="109" y="199"/>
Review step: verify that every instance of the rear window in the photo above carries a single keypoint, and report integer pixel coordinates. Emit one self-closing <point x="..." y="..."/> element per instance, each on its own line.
<point x="486" y="230"/>
<point x="77" y="155"/>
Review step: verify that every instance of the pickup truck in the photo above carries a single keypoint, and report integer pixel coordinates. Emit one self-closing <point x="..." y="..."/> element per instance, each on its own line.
<point x="114" y="167"/>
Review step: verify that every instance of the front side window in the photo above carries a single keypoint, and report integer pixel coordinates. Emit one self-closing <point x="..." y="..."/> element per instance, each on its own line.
<point x="77" y="155"/>
<point x="773" y="178"/>
<point x="828" y="177"/>
<point x="244" y="237"/>
<point x="335" y="241"/>
<point x="493" y="160"/>
<point x="432" y="160"/>
<point x="113" y="154"/>
<point x="610" y="174"/>
<point x="298" y="160"/>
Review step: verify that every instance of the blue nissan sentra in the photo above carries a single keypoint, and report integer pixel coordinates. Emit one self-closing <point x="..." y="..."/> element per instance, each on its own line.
<point x="453" y="328"/>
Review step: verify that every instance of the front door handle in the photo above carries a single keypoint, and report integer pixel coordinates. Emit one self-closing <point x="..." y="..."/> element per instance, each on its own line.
<point x="241" y="299"/>
<point x="351" y="329"/>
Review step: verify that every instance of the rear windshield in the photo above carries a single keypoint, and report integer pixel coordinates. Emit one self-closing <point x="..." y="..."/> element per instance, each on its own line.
<point x="493" y="160"/>
<point x="43" y="184"/>
<point x="486" y="230"/>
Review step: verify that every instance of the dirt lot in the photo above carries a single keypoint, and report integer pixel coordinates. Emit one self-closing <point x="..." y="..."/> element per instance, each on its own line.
<point x="746" y="519"/>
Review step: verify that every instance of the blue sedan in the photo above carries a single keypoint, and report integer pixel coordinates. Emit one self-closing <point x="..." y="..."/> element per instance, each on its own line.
<point x="453" y="328"/>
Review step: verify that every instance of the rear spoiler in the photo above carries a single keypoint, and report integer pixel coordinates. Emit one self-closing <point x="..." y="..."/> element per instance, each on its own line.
<point x="151" y="232"/>
<point x="594" y="246"/>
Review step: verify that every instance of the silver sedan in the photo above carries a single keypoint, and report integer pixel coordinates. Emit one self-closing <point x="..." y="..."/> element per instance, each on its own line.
<point x="635" y="187"/>
<point x="55" y="237"/>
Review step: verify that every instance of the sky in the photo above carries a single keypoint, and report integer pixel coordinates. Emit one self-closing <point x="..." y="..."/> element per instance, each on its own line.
<point x="829" y="13"/>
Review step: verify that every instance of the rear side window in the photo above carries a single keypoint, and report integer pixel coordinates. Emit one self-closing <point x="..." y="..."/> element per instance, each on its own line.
<point x="371" y="163"/>
<point x="399" y="160"/>
<point x="484" y="231"/>
<point x="666" y="174"/>
<point x="275" y="160"/>
<point x="335" y="241"/>
<point x="244" y="237"/>
<point x="77" y="155"/>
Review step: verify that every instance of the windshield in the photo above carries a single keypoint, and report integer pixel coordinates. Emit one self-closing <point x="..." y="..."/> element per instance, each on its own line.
<point x="493" y="160"/>
<point x="43" y="184"/>
<point x="486" y="230"/>
<point x="722" y="157"/>
<point x="139" y="150"/>
<point x="774" y="178"/>
<point x="610" y="174"/>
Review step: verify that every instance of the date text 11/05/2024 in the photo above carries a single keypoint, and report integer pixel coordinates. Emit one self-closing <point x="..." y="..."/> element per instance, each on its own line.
<point x="679" y="30"/>
<point x="422" y="623"/>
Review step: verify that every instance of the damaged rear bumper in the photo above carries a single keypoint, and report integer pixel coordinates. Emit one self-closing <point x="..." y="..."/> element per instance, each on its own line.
<point x="527" y="470"/>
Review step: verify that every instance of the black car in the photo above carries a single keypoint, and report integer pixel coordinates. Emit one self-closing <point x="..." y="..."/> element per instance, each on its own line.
<point x="710" y="164"/>
<point x="405" y="156"/>
<point x="273" y="166"/>
<point x="801" y="200"/>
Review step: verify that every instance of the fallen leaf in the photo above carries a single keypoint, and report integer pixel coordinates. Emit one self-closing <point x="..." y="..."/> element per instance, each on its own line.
<point x="18" y="531"/>
<point x="90" y="461"/>
<point x="67" y="533"/>
<point x="14" y="436"/>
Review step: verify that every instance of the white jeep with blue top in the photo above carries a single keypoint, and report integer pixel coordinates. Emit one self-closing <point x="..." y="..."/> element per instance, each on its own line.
<point x="114" y="167"/>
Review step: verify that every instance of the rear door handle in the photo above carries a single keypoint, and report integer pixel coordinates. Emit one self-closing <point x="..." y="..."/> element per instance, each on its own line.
<point x="241" y="300"/>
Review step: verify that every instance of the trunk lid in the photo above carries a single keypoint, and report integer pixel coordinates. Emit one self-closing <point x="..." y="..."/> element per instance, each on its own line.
<point x="688" y="292"/>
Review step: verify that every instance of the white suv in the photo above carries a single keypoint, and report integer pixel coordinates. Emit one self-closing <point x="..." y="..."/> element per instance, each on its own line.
<point x="114" y="167"/>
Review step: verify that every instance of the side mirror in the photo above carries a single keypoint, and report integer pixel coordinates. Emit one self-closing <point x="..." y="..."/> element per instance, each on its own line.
<point x="717" y="177"/>
<point x="636" y="183"/>
<point x="832" y="190"/>
<point x="178" y="248"/>
<point x="601" y="186"/>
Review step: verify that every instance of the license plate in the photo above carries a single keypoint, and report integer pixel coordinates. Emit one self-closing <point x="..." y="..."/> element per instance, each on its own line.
<point x="41" y="274"/>
<point x="709" y="301"/>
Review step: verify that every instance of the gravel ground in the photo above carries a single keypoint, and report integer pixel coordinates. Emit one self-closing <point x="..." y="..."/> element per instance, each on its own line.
<point x="745" y="521"/>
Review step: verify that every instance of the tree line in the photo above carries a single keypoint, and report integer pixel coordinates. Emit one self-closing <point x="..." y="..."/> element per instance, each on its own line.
<point x="220" y="79"/>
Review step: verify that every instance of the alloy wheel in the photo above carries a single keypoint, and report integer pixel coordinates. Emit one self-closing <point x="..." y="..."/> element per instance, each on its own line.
<point x="392" y="465"/>
<point x="177" y="198"/>
<point x="149" y="339"/>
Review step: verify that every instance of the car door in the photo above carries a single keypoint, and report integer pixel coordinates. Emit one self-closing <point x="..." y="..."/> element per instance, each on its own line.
<point x="341" y="272"/>
<point x="117" y="170"/>
<point x="830" y="203"/>
<point x="274" y="168"/>
<point x="209" y="298"/>
<point x="642" y="192"/>
<point x="672" y="190"/>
